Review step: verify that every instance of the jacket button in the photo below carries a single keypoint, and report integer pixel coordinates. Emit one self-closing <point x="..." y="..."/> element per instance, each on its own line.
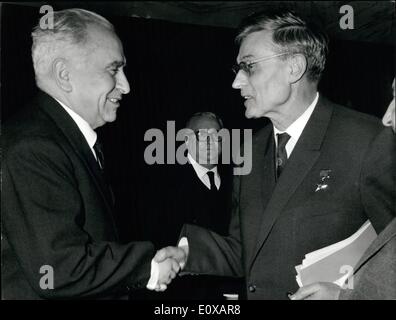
<point x="252" y="288"/>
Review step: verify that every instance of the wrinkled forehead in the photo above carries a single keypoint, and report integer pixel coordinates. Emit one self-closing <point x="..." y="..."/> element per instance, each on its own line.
<point x="256" y="45"/>
<point x="204" y="123"/>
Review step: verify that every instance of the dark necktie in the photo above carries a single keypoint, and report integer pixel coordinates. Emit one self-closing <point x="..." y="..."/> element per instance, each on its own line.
<point x="281" y="155"/>
<point x="99" y="154"/>
<point x="101" y="163"/>
<point x="212" y="181"/>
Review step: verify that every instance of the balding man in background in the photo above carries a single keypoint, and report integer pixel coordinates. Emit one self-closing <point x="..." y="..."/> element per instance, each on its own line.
<point x="197" y="192"/>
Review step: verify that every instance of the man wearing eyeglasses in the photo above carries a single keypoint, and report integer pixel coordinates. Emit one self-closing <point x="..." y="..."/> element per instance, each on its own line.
<point x="203" y="193"/>
<point x="204" y="146"/>
<point x="198" y="193"/>
<point x="197" y="187"/>
<point x="308" y="187"/>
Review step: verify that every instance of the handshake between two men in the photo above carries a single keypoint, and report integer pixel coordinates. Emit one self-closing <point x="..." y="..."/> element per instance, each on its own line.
<point x="169" y="261"/>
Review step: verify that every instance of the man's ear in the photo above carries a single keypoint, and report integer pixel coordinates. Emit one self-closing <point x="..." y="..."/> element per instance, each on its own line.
<point x="298" y="67"/>
<point x="61" y="74"/>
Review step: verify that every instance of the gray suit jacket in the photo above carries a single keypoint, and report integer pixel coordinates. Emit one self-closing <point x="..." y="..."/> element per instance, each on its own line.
<point x="375" y="273"/>
<point x="274" y="225"/>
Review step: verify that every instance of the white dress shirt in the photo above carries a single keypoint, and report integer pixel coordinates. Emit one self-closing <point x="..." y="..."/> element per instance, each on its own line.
<point x="202" y="173"/>
<point x="297" y="127"/>
<point x="89" y="134"/>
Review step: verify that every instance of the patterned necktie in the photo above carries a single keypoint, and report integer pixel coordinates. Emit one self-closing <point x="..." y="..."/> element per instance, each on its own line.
<point x="281" y="155"/>
<point x="99" y="154"/>
<point x="212" y="181"/>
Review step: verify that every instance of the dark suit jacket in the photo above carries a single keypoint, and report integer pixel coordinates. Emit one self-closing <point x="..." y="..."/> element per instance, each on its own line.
<point x="375" y="274"/>
<point x="275" y="224"/>
<point x="194" y="203"/>
<point x="179" y="197"/>
<point x="57" y="211"/>
<point x="190" y="201"/>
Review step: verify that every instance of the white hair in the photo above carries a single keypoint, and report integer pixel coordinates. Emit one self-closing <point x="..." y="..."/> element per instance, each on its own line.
<point x="69" y="29"/>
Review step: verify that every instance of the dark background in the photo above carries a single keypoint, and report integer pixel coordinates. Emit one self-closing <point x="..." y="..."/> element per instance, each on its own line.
<point x="174" y="70"/>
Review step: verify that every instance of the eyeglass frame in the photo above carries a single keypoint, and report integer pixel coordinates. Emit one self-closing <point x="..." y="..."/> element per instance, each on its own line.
<point x="239" y="66"/>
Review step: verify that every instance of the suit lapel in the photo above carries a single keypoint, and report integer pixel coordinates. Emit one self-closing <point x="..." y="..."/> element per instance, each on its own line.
<point x="73" y="134"/>
<point x="261" y="178"/>
<point x="304" y="156"/>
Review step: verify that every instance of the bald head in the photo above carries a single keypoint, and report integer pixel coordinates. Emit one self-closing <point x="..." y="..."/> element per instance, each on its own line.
<point x="203" y="145"/>
<point x="204" y="120"/>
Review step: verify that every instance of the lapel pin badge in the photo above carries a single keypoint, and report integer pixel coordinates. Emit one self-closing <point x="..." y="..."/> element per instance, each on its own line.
<point x="324" y="175"/>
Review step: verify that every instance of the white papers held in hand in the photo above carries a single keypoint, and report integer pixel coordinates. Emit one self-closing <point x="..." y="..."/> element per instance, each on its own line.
<point x="335" y="263"/>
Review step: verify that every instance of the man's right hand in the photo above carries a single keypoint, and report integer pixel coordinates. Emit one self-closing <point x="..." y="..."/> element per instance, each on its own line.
<point x="317" y="291"/>
<point x="168" y="270"/>
<point x="179" y="254"/>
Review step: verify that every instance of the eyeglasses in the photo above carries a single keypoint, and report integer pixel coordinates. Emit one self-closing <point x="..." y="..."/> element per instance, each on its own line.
<point x="247" y="66"/>
<point x="204" y="135"/>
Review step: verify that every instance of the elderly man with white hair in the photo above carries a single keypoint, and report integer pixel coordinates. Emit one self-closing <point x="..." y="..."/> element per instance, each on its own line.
<point x="59" y="237"/>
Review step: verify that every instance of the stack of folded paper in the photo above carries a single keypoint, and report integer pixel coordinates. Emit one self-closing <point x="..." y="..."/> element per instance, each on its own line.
<point x="335" y="263"/>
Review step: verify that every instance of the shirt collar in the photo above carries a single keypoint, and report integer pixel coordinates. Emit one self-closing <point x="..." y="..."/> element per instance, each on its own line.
<point x="199" y="169"/>
<point x="297" y="127"/>
<point x="88" y="133"/>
